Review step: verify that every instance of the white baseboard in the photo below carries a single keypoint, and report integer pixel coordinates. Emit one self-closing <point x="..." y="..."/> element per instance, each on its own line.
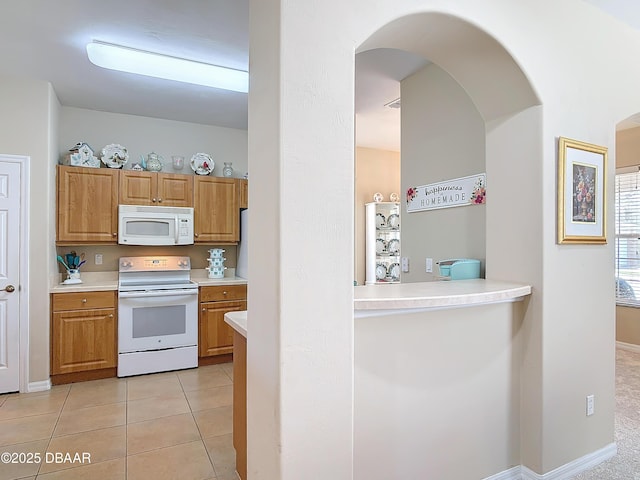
<point x="565" y="472"/>
<point x="511" y="474"/>
<point x="571" y="469"/>
<point x="40" y="386"/>
<point x="628" y="346"/>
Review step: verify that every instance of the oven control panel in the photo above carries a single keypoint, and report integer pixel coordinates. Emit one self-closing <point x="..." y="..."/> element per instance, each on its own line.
<point x="150" y="264"/>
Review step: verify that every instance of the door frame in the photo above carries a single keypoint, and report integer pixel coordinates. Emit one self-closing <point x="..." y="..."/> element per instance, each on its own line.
<point x="23" y="286"/>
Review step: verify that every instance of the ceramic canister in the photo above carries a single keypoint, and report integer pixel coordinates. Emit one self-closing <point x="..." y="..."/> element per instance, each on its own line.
<point x="216" y="262"/>
<point x="216" y="272"/>
<point x="216" y="252"/>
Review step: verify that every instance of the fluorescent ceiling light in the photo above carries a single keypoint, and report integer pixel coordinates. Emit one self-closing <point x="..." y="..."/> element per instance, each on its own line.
<point x="125" y="59"/>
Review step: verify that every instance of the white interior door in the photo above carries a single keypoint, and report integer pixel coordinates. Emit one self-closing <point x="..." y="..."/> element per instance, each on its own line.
<point x="10" y="215"/>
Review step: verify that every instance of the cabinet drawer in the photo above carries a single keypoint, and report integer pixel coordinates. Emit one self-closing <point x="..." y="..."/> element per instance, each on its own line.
<point x="81" y="300"/>
<point x="226" y="292"/>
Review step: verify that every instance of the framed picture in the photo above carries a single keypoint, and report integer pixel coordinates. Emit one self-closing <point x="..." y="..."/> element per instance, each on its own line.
<point x="581" y="192"/>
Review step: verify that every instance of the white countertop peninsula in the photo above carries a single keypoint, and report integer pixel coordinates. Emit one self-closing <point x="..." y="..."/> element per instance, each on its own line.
<point x="237" y="321"/>
<point x="434" y="361"/>
<point x="375" y="300"/>
<point x="424" y="366"/>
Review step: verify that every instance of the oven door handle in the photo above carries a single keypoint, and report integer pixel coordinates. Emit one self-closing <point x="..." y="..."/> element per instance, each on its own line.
<point x="157" y="293"/>
<point x="176" y="227"/>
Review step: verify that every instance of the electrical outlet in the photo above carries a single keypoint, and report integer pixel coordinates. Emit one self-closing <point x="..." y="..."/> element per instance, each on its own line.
<point x="429" y="265"/>
<point x="98" y="259"/>
<point x="590" y="405"/>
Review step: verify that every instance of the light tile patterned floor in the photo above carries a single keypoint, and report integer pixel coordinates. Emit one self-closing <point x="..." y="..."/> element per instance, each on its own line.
<point x="174" y="425"/>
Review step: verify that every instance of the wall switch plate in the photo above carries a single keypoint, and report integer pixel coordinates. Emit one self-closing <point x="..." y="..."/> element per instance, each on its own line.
<point x="590" y="405"/>
<point x="405" y="264"/>
<point x="429" y="265"/>
<point x="98" y="259"/>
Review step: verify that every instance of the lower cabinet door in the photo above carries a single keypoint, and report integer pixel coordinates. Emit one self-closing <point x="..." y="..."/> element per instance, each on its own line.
<point x="216" y="337"/>
<point x="83" y="340"/>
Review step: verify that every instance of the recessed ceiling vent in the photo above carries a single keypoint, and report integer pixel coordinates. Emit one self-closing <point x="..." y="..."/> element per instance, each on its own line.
<point x="393" y="104"/>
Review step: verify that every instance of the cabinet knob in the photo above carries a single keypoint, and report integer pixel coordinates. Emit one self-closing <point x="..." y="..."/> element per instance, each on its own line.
<point x="153" y="200"/>
<point x="84" y="300"/>
<point x="159" y="200"/>
<point x="114" y="234"/>
<point x="224" y="293"/>
<point x="195" y="234"/>
<point x="111" y="315"/>
<point x="204" y="309"/>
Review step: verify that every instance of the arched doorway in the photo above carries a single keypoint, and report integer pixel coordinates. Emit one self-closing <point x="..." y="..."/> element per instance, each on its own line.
<point x="489" y="85"/>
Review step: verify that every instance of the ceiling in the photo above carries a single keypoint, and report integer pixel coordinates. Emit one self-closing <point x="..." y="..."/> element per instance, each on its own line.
<point x="46" y="39"/>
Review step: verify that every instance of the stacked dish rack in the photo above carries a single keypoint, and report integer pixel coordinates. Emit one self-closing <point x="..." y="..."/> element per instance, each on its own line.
<point x="382" y="243"/>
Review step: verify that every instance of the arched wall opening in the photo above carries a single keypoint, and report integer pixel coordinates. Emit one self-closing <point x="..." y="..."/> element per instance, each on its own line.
<point x="510" y="108"/>
<point x="507" y="117"/>
<point x="627" y="247"/>
<point x="300" y="155"/>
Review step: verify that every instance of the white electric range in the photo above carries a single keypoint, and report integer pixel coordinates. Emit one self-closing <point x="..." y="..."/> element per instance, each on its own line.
<point x="157" y="315"/>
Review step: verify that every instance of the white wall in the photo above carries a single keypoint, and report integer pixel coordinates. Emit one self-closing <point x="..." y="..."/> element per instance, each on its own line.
<point x="442" y="138"/>
<point x="142" y="135"/>
<point x="27" y="127"/>
<point x="437" y="393"/>
<point x="528" y="93"/>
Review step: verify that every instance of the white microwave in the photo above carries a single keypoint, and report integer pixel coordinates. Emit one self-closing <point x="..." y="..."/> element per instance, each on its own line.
<point x="142" y="225"/>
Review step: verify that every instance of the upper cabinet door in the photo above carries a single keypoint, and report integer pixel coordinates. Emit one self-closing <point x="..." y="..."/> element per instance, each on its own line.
<point x="151" y="188"/>
<point x="216" y="210"/>
<point x="244" y="192"/>
<point x="138" y="188"/>
<point x="175" y="190"/>
<point x="87" y="205"/>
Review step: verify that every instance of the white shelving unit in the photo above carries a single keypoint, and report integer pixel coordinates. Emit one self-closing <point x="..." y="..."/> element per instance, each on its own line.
<point x="382" y="262"/>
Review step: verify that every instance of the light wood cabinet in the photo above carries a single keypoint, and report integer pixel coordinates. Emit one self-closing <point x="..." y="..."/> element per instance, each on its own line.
<point x="215" y="336"/>
<point x="216" y="210"/>
<point x="83" y="332"/>
<point x="244" y="192"/>
<point x="240" y="403"/>
<point x="87" y="201"/>
<point x="152" y="188"/>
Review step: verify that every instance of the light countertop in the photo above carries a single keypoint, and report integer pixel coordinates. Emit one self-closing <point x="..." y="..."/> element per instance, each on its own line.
<point x="91" y="282"/>
<point x="104" y="281"/>
<point x="375" y="300"/>
<point x="237" y="321"/>
<point x="372" y="300"/>
<point x="200" y="277"/>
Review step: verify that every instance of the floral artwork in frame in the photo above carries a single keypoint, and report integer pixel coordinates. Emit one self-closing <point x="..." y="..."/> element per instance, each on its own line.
<point x="581" y="192"/>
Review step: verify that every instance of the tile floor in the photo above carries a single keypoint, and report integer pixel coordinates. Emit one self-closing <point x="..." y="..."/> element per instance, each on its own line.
<point x="173" y="425"/>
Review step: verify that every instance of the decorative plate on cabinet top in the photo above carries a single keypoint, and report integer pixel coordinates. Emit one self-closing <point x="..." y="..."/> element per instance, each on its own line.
<point x="393" y="246"/>
<point x="394" y="197"/>
<point x="114" y="156"/>
<point x="380" y="220"/>
<point x="377" y="197"/>
<point x="381" y="271"/>
<point x="381" y="245"/>
<point x="394" y="271"/>
<point x="202" y="164"/>
<point x="393" y="221"/>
